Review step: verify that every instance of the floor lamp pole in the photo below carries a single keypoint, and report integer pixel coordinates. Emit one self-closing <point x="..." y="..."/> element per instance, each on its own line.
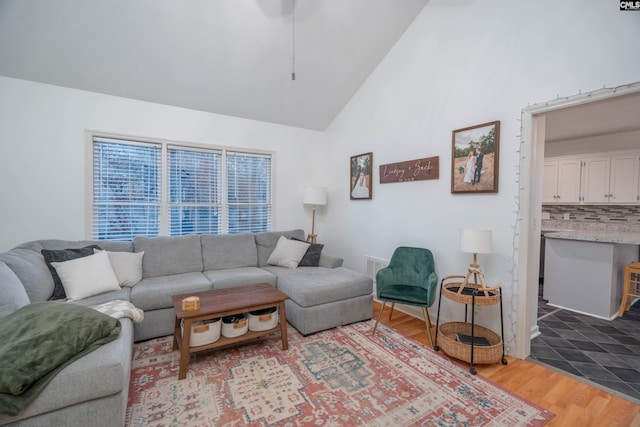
<point x="311" y="238"/>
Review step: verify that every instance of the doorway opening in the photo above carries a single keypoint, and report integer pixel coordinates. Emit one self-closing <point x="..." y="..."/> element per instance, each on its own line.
<point x="609" y="111"/>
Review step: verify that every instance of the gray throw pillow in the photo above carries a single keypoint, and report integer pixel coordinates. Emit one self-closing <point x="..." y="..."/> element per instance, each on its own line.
<point x="62" y="255"/>
<point x="312" y="257"/>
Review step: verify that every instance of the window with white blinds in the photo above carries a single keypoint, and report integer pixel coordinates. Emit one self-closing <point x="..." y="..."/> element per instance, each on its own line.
<point x="157" y="188"/>
<point x="248" y="192"/>
<point x="126" y="189"/>
<point x="195" y="191"/>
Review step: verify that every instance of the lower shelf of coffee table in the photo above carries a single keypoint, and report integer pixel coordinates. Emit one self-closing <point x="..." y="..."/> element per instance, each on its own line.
<point x="222" y="341"/>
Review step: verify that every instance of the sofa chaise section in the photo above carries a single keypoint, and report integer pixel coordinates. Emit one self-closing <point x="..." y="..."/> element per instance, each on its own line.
<point x="324" y="298"/>
<point x="321" y="297"/>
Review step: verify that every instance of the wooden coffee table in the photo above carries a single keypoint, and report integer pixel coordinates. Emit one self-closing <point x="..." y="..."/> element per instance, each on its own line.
<point x="226" y="302"/>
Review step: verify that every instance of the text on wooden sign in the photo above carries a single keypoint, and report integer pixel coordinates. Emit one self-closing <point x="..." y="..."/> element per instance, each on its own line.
<point x="411" y="170"/>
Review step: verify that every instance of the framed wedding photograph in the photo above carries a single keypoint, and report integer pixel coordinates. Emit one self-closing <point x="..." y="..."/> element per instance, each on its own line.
<point x="361" y="178"/>
<point x="474" y="159"/>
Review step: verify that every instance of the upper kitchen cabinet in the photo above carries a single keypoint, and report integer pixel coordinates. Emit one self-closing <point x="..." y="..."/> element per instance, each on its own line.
<point x="605" y="178"/>
<point x="596" y="179"/>
<point x="561" y="181"/>
<point x="611" y="179"/>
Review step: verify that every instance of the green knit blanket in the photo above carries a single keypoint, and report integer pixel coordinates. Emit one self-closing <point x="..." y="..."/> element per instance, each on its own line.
<point x="39" y="340"/>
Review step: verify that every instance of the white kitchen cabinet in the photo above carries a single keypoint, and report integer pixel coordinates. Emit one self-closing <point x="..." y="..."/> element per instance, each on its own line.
<point x="596" y="180"/>
<point x="611" y="179"/>
<point x="605" y="178"/>
<point x="625" y="178"/>
<point x="561" y="181"/>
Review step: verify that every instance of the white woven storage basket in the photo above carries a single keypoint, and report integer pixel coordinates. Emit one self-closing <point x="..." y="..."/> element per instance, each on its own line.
<point x="234" y="326"/>
<point x="262" y="320"/>
<point x="204" y="332"/>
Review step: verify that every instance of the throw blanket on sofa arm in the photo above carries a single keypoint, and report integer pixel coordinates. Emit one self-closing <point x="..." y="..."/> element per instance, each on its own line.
<point x="39" y="340"/>
<point x="119" y="309"/>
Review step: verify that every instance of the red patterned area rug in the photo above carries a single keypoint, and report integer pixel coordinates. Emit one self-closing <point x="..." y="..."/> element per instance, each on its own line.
<point x="339" y="377"/>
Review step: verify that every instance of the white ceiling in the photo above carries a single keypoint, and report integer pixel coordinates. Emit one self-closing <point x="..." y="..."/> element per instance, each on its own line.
<point x="231" y="57"/>
<point x="614" y="115"/>
<point x="234" y="57"/>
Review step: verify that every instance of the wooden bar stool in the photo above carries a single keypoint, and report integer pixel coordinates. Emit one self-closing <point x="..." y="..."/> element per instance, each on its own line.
<point x="631" y="286"/>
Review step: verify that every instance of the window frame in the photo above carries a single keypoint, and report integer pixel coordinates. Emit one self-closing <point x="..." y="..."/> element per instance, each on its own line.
<point x="163" y="220"/>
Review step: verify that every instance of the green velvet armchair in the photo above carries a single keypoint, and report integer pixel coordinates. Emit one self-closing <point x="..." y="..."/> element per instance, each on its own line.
<point x="410" y="278"/>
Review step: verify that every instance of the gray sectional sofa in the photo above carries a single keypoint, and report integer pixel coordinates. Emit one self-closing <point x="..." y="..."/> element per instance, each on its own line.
<point x="93" y="390"/>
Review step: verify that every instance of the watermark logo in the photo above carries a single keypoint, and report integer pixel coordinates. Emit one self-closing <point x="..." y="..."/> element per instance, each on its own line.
<point x="629" y="5"/>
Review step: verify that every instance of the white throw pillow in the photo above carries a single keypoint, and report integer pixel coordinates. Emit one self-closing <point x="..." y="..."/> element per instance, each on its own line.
<point x="126" y="265"/>
<point x="288" y="253"/>
<point x="87" y="276"/>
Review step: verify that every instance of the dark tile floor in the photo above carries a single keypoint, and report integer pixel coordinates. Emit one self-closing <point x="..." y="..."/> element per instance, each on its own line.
<point x="603" y="352"/>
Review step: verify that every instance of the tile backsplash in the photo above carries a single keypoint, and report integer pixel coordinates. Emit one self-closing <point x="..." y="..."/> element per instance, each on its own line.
<point x="614" y="214"/>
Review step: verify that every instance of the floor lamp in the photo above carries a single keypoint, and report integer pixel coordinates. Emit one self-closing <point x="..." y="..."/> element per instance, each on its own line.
<point x="316" y="196"/>
<point x="475" y="242"/>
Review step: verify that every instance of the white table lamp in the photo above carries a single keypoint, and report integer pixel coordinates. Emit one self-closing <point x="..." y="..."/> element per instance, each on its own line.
<point x="475" y="242"/>
<point x="316" y="196"/>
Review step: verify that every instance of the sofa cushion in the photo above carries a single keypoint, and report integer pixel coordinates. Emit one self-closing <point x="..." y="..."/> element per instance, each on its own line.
<point x="32" y="271"/>
<point x="154" y="293"/>
<point x="121" y="294"/>
<point x="12" y="293"/>
<point x="61" y="255"/>
<point x="232" y="277"/>
<point x="309" y="286"/>
<point x="221" y="251"/>
<point x="87" y="276"/>
<point x="164" y="256"/>
<point x="267" y="241"/>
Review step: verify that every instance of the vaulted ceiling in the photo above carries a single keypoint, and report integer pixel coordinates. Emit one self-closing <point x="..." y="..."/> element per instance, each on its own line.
<point x="231" y="57"/>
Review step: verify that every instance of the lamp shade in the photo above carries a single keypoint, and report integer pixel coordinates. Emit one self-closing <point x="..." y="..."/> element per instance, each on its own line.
<point x="315" y="196"/>
<point x="475" y="241"/>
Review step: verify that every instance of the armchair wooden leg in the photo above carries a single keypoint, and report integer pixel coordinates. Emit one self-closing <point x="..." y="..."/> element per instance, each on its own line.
<point x="378" y="319"/>
<point x="393" y="304"/>
<point x="427" y="321"/>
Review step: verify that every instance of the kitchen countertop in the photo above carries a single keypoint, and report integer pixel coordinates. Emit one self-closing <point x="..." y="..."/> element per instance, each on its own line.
<point x="596" y="236"/>
<point x="591" y="232"/>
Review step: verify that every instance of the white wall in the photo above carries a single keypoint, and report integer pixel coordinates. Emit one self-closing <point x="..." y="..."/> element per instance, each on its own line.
<point x="462" y="63"/>
<point x="42" y="154"/>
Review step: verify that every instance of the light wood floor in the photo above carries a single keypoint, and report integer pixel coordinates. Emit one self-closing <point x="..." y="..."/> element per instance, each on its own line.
<point x="574" y="403"/>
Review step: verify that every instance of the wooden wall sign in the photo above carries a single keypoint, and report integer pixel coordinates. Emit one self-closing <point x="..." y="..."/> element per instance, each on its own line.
<point x="411" y="170"/>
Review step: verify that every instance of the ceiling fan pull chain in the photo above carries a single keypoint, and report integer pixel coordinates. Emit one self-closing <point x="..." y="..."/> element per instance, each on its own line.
<point x="293" y="44"/>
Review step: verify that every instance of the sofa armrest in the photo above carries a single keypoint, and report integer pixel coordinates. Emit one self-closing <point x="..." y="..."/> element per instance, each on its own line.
<point x="330" y="261"/>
